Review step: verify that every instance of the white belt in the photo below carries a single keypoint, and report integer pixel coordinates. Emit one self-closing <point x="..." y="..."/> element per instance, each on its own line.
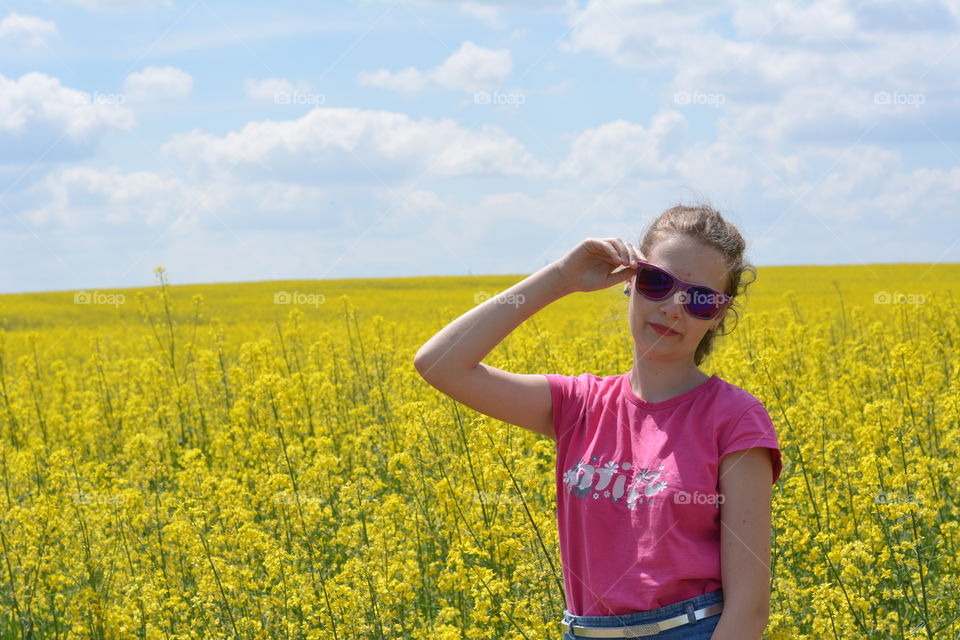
<point x="639" y="630"/>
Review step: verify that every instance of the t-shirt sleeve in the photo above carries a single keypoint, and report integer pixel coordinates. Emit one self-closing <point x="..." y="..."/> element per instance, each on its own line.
<point x="753" y="429"/>
<point x="567" y="394"/>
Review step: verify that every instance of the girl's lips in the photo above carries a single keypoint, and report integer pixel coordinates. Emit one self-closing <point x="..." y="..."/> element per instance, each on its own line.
<point x="662" y="330"/>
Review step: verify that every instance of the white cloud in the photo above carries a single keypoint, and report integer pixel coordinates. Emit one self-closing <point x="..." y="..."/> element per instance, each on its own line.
<point x="611" y="153"/>
<point x="354" y="144"/>
<point x="935" y="190"/>
<point x="792" y="74"/>
<point x="157" y="83"/>
<point x="33" y="31"/>
<point x="727" y="170"/>
<point x="92" y="200"/>
<point x="44" y="121"/>
<point x="842" y="187"/>
<point x="473" y="68"/>
<point x="863" y="184"/>
<point x="78" y="198"/>
<point x="638" y="34"/>
<point x="469" y="68"/>
<point x="823" y="22"/>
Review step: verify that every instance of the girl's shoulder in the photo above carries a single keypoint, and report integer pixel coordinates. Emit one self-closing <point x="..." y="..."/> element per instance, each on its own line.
<point x="732" y="395"/>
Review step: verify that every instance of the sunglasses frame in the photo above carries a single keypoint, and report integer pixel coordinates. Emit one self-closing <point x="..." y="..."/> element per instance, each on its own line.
<point x="686" y="286"/>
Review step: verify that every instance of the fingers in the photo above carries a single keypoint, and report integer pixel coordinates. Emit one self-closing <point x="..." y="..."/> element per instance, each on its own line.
<point x="610" y="248"/>
<point x="626" y="254"/>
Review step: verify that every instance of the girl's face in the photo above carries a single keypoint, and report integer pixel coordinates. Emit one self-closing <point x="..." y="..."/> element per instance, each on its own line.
<point x="688" y="259"/>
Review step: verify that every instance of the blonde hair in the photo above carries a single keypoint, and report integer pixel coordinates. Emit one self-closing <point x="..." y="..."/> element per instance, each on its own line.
<point x="703" y="223"/>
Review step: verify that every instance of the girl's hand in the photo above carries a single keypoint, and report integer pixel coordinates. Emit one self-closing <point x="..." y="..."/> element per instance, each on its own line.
<point x="598" y="263"/>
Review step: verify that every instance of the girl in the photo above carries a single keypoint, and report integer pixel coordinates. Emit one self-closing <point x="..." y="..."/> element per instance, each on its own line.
<point x="664" y="474"/>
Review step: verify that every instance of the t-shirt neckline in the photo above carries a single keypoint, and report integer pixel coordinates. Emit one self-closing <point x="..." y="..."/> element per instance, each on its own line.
<point x="669" y="402"/>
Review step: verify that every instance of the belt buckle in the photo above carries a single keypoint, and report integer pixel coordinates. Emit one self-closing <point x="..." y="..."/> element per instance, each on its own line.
<point x="641" y="630"/>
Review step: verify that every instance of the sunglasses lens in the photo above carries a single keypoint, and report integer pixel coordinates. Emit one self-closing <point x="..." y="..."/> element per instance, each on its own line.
<point x="654" y="283"/>
<point x="702" y="303"/>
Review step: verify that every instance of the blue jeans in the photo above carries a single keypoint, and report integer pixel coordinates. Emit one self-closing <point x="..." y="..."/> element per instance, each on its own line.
<point x="700" y="630"/>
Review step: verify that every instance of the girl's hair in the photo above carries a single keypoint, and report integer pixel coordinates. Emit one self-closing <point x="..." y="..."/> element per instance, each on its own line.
<point x="704" y="223"/>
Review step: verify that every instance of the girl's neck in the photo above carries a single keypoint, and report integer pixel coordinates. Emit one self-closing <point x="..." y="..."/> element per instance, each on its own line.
<point x="655" y="382"/>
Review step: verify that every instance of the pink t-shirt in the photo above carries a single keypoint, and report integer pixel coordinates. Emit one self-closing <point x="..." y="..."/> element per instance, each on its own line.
<point x="637" y="488"/>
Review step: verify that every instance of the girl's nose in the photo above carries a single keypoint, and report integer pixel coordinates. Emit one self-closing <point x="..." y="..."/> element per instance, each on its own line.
<point x="670" y="307"/>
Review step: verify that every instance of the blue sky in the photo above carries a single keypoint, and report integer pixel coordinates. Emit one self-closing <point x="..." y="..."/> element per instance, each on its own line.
<point x="239" y="141"/>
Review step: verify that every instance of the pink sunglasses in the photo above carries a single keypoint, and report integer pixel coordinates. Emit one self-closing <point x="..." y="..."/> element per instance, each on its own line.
<point x="699" y="300"/>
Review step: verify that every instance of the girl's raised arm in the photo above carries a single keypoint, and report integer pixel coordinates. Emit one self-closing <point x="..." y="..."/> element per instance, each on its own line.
<point x="450" y="360"/>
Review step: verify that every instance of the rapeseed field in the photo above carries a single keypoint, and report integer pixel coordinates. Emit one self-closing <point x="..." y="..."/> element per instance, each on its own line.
<point x="262" y="460"/>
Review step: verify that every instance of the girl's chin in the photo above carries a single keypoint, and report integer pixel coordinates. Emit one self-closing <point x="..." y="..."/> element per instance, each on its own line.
<point x="655" y="346"/>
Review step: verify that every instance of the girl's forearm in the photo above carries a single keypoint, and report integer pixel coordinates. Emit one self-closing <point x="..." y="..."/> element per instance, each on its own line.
<point x="466" y="341"/>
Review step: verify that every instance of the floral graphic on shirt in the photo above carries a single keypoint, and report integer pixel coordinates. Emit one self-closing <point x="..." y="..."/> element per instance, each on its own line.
<point x="606" y="473"/>
<point x="570" y="475"/>
<point x="610" y="481"/>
